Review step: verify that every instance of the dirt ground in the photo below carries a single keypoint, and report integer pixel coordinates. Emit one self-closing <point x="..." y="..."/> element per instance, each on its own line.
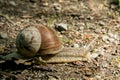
<point x="85" y="19"/>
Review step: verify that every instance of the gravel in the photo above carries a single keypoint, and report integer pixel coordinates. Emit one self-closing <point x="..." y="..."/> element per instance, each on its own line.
<point x="77" y="22"/>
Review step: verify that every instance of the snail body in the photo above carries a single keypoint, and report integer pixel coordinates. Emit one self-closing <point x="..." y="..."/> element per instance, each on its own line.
<point x="42" y="42"/>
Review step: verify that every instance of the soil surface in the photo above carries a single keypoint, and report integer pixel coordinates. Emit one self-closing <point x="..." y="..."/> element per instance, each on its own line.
<point x="85" y="20"/>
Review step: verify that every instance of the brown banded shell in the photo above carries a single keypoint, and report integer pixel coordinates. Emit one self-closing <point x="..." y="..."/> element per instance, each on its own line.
<point x="28" y="42"/>
<point x="50" y="43"/>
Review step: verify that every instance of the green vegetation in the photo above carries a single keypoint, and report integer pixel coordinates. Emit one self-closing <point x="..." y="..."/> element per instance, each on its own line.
<point x="51" y="20"/>
<point x="119" y="4"/>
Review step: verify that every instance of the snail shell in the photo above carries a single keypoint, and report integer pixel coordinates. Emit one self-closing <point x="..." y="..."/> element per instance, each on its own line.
<point x="50" y="43"/>
<point x="28" y="41"/>
<point x="39" y="40"/>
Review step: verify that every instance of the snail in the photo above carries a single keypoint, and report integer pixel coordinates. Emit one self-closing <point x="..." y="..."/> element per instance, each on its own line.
<point x="42" y="42"/>
<point x="38" y="40"/>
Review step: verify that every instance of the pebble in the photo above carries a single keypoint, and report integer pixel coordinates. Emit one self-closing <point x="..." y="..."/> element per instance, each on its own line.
<point x="101" y="23"/>
<point x="45" y="4"/>
<point x="12" y="3"/>
<point x="106" y="39"/>
<point x="57" y="6"/>
<point x="115" y="36"/>
<point x="75" y="45"/>
<point x="81" y="27"/>
<point x="111" y="34"/>
<point x="3" y="35"/>
<point x="118" y="65"/>
<point x="94" y="55"/>
<point x="52" y="78"/>
<point x="98" y="76"/>
<point x="90" y="18"/>
<point x="105" y="64"/>
<point x="111" y="39"/>
<point x="61" y="27"/>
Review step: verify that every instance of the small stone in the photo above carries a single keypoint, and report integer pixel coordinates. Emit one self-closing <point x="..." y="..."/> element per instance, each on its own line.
<point x="3" y="35"/>
<point x="57" y="6"/>
<point x="111" y="34"/>
<point x="12" y="3"/>
<point x="101" y="23"/>
<point x="105" y="39"/>
<point x="118" y="65"/>
<point x="98" y="76"/>
<point x="61" y="27"/>
<point x="97" y="30"/>
<point x="75" y="45"/>
<point x="2" y="49"/>
<point x="115" y="36"/>
<point x="94" y="55"/>
<point x="51" y="78"/>
<point x="111" y="39"/>
<point x="105" y="64"/>
<point x="45" y="4"/>
<point x="81" y="27"/>
<point x="90" y="18"/>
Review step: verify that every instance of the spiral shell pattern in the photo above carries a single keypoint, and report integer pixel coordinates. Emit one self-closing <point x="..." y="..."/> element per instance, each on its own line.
<point x="28" y="42"/>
